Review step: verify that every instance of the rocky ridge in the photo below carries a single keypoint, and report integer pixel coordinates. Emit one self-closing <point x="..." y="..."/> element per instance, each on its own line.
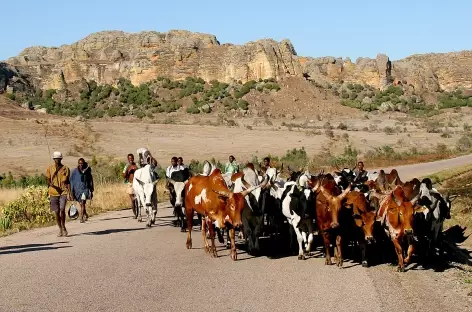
<point x="140" y="57"/>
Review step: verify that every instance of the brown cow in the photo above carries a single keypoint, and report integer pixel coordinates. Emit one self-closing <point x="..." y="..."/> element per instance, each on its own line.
<point x="364" y="218"/>
<point x="396" y="217"/>
<point x="209" y="196"/>
<point x="327" y="207"/>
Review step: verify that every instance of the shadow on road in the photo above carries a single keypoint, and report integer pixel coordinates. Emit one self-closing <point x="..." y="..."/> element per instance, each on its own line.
<point x="30" y="247"/>
<point x="108" y="231"/>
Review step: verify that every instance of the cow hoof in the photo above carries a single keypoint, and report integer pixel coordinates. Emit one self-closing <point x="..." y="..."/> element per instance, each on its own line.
<point x="365" y="264"/>
<point x="400" y="269"/>
<point x="234" y="256"/>
<point x="328" y="262"/>
<point x="140" y="219"/>
<point x="134" y="217"/>
<point x="153" y="222"/>
<point x="301" y="257"/>
<point x="189" y="245"/>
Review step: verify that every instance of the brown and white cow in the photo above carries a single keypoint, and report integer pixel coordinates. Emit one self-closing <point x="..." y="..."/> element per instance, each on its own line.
<point x="210" y="196"/>
<point x="396" y="215"/>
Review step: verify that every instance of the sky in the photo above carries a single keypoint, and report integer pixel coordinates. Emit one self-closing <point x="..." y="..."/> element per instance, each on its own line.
<point x="315" y="28"/>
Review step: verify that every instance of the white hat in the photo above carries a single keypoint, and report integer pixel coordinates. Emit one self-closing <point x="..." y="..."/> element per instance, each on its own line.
<point x="57" y="155"/>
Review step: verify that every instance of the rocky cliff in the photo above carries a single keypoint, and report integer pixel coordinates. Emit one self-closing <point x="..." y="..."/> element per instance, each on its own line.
<point x="107" y="56"/>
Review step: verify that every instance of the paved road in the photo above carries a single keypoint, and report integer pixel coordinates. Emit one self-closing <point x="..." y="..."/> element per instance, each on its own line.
<point x="408" y="172"/>
<point x="113" y="263"/>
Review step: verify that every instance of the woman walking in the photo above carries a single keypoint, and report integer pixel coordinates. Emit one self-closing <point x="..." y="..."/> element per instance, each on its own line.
<point x="81" y="181"/>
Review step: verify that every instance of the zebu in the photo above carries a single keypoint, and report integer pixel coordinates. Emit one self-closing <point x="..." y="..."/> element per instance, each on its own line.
<point x="177" y="195"/>
<point x="145" y="191"/>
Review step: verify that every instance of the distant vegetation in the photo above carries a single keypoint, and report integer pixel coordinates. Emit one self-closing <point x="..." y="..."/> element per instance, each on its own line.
<point x="395" y="98"/>
<point x="160" y="95"/>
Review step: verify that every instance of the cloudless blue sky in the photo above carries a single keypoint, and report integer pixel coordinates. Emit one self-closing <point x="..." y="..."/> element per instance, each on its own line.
<point x="316" y="28"/>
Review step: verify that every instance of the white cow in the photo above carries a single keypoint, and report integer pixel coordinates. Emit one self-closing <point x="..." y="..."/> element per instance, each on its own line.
<point x="146" y="194"/>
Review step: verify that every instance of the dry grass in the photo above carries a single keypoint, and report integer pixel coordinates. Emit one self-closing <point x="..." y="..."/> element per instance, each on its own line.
<point x="9" y="194"/>
<point x="107" y="197"/>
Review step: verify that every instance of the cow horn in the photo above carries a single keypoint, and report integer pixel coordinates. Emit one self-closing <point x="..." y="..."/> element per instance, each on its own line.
<point x="326" y="194"/>
<point x="451" y="198"/>
<point x="265" y="182"/>
<point x="249" y="190"/>
<point x="186" y="181"/>
<point x="415" y="200"/>
<point x="345" y="192"/>
<point x="222" y="193"/>
<point x="171" y="181"/>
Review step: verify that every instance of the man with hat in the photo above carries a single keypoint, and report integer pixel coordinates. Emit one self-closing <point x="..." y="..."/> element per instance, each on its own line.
<point x="58" y="176"/>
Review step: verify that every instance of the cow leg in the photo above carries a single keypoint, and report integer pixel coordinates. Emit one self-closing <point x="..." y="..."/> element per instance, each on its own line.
<point x="310" y="241"/>
<point x="212" y="249"/>
<point x="228" y="237"/>
<point x="148" y="216"/>
<point x="326" y="245"/>
<point x="411" y="249"/>
<point x="204" y="230"/>
<point x="189" y="212"/>
<point x="399" y="251"/>
<point x="363" y="248"/>
<point x="301" y="256"/>
<point x="339" y="251"/>
<point x="234" y="254"/>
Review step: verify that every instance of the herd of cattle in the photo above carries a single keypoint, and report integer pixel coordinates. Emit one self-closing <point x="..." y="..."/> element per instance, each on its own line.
<point x="381" y="211"/>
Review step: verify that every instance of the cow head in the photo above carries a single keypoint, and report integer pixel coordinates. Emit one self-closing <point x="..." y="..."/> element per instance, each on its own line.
<point x="334" y="203"/>
<point x="403" y="208"/>
<point x="178" y="181"/>
<point x="148" y="190"/>
<point x="178" y="189"/>
<point x="234" y="204"/>
<point x="364" y="216"/>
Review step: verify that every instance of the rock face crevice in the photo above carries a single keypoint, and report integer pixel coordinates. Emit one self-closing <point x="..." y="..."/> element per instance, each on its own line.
<point x="140" y="57"/>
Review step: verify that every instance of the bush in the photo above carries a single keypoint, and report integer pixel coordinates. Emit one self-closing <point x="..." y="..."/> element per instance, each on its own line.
<point x="464" y="143"/>
<point x="192" y="109"/>
<point x="31" y="206"/>
<point x="342" y="126"/>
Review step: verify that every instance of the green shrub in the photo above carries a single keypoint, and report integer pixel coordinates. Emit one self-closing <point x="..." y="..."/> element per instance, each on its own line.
<point x="192" y="109"/>
<point x="31" y="207"/>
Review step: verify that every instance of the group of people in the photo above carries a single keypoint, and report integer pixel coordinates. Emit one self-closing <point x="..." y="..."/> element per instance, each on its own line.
<point x="64" y="185"/>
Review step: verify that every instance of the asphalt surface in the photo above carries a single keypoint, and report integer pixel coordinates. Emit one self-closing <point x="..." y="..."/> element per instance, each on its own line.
<point x="114" y="263"/>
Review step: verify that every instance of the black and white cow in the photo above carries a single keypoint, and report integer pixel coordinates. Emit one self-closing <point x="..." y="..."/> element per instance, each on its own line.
<point x="297" y="200"/>
<point x="177" y="183"/>
<point x="430" y="218"/>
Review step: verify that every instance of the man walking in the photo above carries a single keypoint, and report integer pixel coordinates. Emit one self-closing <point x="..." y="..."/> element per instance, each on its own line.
<point x="128" y="175"/>
<point x="81" y="182"/>
<point x="58" y="176"/>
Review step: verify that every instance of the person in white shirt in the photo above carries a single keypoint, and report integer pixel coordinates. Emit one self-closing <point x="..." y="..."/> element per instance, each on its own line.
<point x="173" y="167"/>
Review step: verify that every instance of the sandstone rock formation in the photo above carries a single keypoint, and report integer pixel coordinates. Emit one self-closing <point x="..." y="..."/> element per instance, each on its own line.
<point x="425" y="73"/>
<point x="107" y="56"/>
